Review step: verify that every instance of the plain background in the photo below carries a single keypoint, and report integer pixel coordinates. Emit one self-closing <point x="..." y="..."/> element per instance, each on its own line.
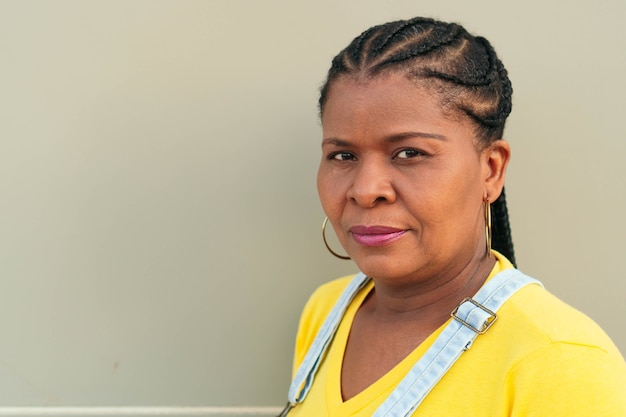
<point x="159" y="222"/>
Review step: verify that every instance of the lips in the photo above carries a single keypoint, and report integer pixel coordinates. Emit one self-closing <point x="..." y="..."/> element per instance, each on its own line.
<point x="376" y="235"/>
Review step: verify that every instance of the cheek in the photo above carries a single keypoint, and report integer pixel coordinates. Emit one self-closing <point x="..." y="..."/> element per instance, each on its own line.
<point x="464" y="197"/>
<point x="328" y="191"/>
<point x="455" y="193"/>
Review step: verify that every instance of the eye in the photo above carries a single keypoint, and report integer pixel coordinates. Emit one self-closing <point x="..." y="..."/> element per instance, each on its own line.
<point x="341" y="156"/>
<point x="409" y="153"/>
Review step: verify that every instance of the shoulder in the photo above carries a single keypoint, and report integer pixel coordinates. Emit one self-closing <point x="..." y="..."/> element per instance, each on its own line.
<point x="325" y="296"/>
<point x="539" y="313"/>
<point x="321" y="302"/>
<point x="560" y="358"/>
<point x="314" y="313"/>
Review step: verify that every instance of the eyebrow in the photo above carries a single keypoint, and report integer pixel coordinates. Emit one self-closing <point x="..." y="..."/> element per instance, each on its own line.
<point x="393" y="138"/>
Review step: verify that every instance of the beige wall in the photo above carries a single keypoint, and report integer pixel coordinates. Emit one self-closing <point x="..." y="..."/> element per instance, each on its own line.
<point x="159" y="224"/>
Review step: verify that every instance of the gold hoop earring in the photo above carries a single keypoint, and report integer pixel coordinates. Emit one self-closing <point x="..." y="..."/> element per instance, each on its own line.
<point x="488" y="234"/>
<point x="326" y="243"/>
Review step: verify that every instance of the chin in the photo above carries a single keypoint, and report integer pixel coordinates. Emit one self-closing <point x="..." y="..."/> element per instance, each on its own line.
<point x="384" y="267"/>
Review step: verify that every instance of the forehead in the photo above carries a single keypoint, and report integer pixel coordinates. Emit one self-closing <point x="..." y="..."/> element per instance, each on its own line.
<point x="384" y="105"/>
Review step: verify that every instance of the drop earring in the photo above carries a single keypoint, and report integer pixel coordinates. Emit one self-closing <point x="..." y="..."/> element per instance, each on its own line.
<point x="488" y="234"/>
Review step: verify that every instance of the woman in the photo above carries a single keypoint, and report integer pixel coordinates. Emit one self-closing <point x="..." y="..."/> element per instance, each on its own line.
<point x="413" y="114"/>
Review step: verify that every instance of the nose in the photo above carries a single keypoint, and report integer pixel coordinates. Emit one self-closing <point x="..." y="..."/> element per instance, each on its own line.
<point x="371" y="184"/>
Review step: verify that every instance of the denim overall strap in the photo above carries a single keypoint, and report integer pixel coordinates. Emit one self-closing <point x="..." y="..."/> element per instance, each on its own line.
<point x="471" y="318"/>
<point x="303" y="379"/>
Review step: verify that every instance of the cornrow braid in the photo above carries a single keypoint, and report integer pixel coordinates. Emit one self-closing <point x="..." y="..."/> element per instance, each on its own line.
<point x="434" y="40"/>
<point x="358" y="44"/>
<point x="463" y="68"/>
<point x="385" y="41"/>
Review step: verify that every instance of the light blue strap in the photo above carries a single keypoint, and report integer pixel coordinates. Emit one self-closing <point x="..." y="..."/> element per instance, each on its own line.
<point x="471" y="318"/>
<point x="303" y="379"/>
<point x="457" y="337"/>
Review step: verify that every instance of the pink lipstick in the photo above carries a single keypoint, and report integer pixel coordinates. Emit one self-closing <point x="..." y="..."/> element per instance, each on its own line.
<point x="376" y="235"/>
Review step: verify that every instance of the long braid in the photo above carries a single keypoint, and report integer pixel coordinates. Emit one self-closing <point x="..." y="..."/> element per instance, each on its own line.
<point x="501" y="230"/>
<point x="464" y="68"/>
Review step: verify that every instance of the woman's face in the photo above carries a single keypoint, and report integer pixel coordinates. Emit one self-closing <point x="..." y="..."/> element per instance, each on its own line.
<point x="403" y="183"/>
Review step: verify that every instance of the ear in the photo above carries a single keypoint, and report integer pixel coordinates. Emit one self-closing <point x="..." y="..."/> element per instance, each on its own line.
<point x="495" y="159"/>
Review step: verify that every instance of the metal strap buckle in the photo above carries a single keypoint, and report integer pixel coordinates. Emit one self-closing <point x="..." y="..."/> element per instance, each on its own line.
<point x="486" y="324"/>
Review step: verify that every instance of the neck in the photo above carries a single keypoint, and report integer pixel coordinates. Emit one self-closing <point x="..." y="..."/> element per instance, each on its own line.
<point x="429" y="300"/>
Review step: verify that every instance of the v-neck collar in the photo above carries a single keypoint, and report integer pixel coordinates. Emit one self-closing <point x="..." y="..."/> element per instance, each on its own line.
<point x="381" y="388"/>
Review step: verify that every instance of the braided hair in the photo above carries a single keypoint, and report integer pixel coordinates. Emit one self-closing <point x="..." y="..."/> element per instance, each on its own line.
<point x="463" y="68"/>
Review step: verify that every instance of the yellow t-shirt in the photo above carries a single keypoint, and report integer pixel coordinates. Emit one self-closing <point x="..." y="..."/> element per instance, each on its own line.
<point x="541" y="358"/>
